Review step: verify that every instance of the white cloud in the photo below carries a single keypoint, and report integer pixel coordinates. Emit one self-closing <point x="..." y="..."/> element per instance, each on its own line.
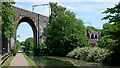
<point x="84" y="7"/>
<point x="44" y="10"/>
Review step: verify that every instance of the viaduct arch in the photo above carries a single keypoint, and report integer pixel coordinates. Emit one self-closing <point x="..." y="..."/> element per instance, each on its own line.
<point x="31" y="23"/>
<point x="36" y="21"/>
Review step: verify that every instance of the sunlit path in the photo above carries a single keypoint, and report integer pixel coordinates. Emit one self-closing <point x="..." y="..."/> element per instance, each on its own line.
<point x="19" y="60"/>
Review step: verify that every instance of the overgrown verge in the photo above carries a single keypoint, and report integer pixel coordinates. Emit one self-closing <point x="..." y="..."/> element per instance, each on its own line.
<point x="40" y="50"/>
<point x="89" y="54"/>
<point x="14" y="50"/>
<point x="8" y="62"/>
<point x="31" y="64"/>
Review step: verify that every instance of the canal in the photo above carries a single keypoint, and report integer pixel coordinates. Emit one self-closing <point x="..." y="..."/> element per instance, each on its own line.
<point x="53" y="61"/>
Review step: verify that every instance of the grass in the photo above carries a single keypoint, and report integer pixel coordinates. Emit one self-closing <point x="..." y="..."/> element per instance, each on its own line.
<point x="9" y="61"/>
<point x="31" y="64"/>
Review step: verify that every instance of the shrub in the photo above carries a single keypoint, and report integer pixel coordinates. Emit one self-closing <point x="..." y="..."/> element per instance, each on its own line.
<point x="106" y="42"/>
<point x="18" y="45"/>
<point x="40" y="50"/>
<point x="13" y="51"/>
<point x="90" y="54"/>
<point x="114" y="58"/>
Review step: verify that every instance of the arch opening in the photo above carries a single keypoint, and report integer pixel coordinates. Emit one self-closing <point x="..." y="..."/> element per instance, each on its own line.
<point x="95" y="36"/>
<point x="88" y="35"/>
<point x="32" y="24"/>
<point x="92" y="36"/>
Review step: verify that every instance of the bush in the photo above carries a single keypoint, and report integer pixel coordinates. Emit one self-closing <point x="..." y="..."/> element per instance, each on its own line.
<point x="13" y="51"/>
<point x="114" y="58"/>
<point x="90" y="54"/>
<point x="106" y="42"/>
<point x="18" y="45"/>
<point x="40" y="50"/>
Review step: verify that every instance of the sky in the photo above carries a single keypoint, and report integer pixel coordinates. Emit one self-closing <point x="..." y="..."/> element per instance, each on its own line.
<point x="90" y="11"/>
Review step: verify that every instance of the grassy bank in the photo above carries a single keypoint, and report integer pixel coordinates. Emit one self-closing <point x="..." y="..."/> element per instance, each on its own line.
<point x="9" y="61"/>
<point x="31" y="64"/>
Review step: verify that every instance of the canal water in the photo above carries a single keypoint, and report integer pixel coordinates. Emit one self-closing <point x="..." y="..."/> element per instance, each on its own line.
<point x="56" y="62"/>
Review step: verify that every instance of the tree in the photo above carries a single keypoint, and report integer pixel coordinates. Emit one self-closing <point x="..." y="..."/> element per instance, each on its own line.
<point x="40" y="50"/>
<point x="0" y="19"/>
<point x="22" y="43"/>
<point x="18" y="36"/>
<point x="108" y="29"/>
<point x="8" y="16"/>
<point x="64" y="32"/>
<point x="29" y="44"/>
<point x="114" y="19"/>
<point x="0" y="26"/>
<point x="17" y="45"/>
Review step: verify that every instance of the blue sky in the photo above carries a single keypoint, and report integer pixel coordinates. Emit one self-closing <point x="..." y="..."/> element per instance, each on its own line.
<point x="87" y="11"/>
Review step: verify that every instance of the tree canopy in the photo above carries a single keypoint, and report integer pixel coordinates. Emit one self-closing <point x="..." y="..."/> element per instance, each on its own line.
<point x="0" y="18"/>
<point x="113" y="15"/>
<point x="64" y="32"/>
<point x="8" y="16"/>
<point x="112" y="28"/>
<point x="29" y="44"/>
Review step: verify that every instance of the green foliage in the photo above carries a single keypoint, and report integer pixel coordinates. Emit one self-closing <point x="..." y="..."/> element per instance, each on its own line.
<point x="108" y="29"/>
<point x="106" y="42"/>
<point x="64" y="32"/>
<point x="22" y="43"/>
<point x="31" y="64"/>
<point x="93" y="28"/>
<point x="113" y="30"/>
<point x="113" y="14"/>
<point x="29" y="44"/>
<point x="0" y="26"/>
<point x="18" y="45"/>
<point x="91" y="54"/>
<point x="13" y="51"/>
<point x="18" y="36"/>
<point x="0" y="18"/>
<point x="114" y="58"/>
<point x="40" y="50"/>
<point x="7" y="64"/>
<point x="8" y="16"/>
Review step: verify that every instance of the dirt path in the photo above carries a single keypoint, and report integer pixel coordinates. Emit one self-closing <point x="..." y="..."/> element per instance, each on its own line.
<point x="19" y="60"/>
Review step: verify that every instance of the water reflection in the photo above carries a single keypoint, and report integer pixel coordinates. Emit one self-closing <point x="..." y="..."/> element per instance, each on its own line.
<point x="60" y="61"/>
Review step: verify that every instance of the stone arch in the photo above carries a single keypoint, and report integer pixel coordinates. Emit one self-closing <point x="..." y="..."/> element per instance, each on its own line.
<point x="88" y="35"/>
<point x="96" y="36"/>
<point x="31" y="23"/>
<point x="92" y="36"/>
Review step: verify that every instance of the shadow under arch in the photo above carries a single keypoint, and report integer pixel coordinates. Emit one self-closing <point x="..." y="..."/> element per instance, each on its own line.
<point x="32" y="24"/>
<point x="92" y="36"/>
